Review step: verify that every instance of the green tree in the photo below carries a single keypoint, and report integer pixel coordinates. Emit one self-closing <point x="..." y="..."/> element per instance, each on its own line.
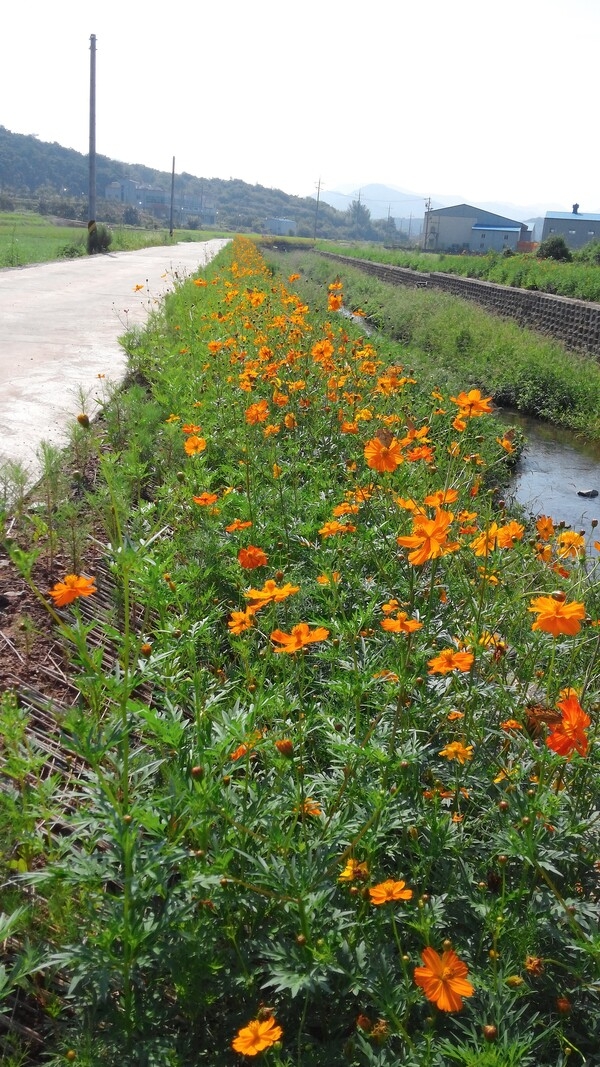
<point x="359" y="220"/>
<point x="555" y="248"/>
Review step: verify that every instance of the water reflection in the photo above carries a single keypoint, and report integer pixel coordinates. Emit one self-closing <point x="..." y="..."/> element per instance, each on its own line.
<point x="554" y="467"/>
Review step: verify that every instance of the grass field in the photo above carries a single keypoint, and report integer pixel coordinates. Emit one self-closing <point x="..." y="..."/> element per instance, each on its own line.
<point x="30" y="238"/>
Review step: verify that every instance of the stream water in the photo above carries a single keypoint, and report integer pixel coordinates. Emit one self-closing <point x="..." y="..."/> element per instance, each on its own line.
<point x="553" y="469"/>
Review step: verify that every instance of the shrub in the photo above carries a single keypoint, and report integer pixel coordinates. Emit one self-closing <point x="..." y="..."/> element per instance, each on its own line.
<point x="99" y="238"/>
<point x="555" y="248"/>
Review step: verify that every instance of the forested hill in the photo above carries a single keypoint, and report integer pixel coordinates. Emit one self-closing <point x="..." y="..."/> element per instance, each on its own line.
<point x="38" y="169"/>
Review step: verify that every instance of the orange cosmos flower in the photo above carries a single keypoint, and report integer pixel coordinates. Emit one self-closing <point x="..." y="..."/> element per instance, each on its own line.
<point x="71" y="588"/>
<point x="335" y="301"/>
<point x="486" y="541"/>
<point x="506" y="444"/>
<point x="456" y="750"/>
<point x="557" y="616"/>
<point x="194" y="445"/>
<point x="308" y="807"/>
<point x="200" y="282"/>
<point x="290" y="422"/>
<point x="252" y="557"/>
<point x="257" y="1036"/>
<point x="238" y="524"/>
<point x="429" y="539"/>
<point x="569" y="735"/>
<point x="258" y="412"/>
<point x="205" y="499"/>
<point x="545" y="527"/>
<point x="191" y="427"/>
<point x="509" y="533"/>
<point x="389" y="891"/>
<point x="424" y="452"/>
<point x="240" y="621"/>
<point x="443" y="979"/>
<point x="324" y="579"/>
<point x="449" y="660"/>
<point x="300" y="636"/>
<point x="383" y="457"/>
<point x="472" y="404"/>
<point x="354" y="871"/>
<point x="322" y="351"/>
<point x="330" y="529"/>
<point x="271" y="593"/>
<point x="570" y="544"/>
<point x="401" y="624"/>
<point x="440" y="497"/>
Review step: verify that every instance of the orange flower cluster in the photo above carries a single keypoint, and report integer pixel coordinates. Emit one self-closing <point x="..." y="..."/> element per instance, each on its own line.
<point x="429" y="539"/>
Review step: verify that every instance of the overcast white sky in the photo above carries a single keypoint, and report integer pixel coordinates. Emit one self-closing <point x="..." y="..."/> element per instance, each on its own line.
<point x="470" y="99"/>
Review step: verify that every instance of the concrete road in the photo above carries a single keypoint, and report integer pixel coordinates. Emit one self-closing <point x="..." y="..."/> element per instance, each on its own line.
<point x="59" y="329"/>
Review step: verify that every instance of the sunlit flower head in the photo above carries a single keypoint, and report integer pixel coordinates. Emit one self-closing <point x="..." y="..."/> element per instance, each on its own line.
<point x="389" y="891"/>
<point x="258" y="412"/>
<point x="382" y="456"/>
<point x="205" y="499"/>
<point x="300" y="636"/>
<point x="194" y="445"/>
<point x="569" y="735"/>
<point x="252" y="557"/>
<point x="72" y="587"/>
<point x="450" y="660"/>
<point x="257" y="1036"/>
<point x="472" y="404"/>
<point x="545" y="527"/>
<point x="271" y="593"/>
<point x="443" y="979"/>
<point x="456" y="750"/>
<point x="557" y="616"/>
<point x="354" y="870"/>
<point x="429" y="539"/>
<point x="570" y="544"/>
<point x="400" y="624"/>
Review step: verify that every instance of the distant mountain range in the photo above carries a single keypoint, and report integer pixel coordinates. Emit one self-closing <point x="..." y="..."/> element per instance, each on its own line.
<point x="384" y="200"/>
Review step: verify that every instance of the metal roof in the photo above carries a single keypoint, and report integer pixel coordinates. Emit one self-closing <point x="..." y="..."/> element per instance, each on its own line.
<point x="580" y="216"/>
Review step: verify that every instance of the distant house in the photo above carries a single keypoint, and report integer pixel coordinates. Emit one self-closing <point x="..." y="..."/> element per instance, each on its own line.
<point x="125" y="191"/>
<point x="281" y="227"/>
<point x="465" y="228"/>
<point x="577" y="229"/>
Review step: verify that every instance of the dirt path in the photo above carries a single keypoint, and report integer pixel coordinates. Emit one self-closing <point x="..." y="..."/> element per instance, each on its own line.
<point x="59" y="328"/>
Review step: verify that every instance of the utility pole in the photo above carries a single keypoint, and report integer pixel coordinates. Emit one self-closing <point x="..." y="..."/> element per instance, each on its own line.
<point x="172" y="198"/>
<point x="317" y="208"/>
<point x="92" y="157"/>
<point x="427" y="209"/>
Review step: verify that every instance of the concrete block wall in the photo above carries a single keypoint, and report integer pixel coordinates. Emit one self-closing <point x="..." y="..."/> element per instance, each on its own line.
<point x="574" y="322"/>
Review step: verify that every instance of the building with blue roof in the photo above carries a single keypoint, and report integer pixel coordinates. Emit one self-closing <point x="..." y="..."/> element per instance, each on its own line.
<point x="577" y="228"/>
<point x="465" y="228"/>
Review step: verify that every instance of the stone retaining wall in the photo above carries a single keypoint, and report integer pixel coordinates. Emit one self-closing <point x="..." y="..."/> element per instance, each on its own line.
<point x="574" y="322"/>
